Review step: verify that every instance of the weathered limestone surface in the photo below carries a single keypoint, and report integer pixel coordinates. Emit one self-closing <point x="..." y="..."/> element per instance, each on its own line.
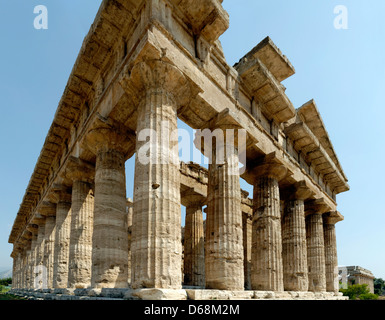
<point x="294" y="250"/>
<point x="316" y="247"/>
<point x="110" y="241"/>
<point x="156" y="238"/>
<point x="194" y="257"/>
<point x="224" y="236"/>
<point x="82" y="213"/>
<point x="62" y="237"/>
<point x="49" y="211"/>
<point x="266" y="259"/>
<point x="143" y="65"/>
<point x="39" y="268"/>
<point x="330" y="241"/>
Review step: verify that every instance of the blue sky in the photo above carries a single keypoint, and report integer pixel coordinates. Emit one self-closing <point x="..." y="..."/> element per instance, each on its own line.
<point x="343" y="70"/>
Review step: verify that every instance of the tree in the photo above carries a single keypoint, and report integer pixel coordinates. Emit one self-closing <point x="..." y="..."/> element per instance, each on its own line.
<point x="379" y="286"/>
<point x="5" y="282"/>
<point x="358" y="292"/>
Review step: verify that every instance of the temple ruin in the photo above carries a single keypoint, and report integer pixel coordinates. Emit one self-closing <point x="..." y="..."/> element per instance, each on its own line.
<point x="149" y="62"/>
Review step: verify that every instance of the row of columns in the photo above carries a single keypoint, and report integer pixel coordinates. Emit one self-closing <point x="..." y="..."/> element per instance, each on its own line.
<point x="82" y="237"/>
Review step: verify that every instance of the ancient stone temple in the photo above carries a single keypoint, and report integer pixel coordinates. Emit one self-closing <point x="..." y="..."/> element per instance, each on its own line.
<point x="143" y="65"/>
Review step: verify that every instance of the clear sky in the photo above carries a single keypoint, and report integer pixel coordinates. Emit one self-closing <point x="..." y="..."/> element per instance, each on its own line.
<point x="342" y="69"/>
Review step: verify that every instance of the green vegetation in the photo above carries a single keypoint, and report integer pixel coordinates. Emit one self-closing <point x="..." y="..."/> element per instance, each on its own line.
<point x="379" y="287"/>
<point x="6" y="282"/>
<point x="359" y="292"/>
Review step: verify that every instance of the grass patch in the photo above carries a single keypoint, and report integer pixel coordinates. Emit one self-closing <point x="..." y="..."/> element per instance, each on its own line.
<point x="6" y="296"/>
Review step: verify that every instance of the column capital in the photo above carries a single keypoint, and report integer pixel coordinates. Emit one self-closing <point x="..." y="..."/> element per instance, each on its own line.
<point x="316" y="206"/>
<point x="332" y="217"/>
<point x="79" y="170"/>
<point x="60" y="193"/>
<point x="33" y="228"/>
<point x="268" y="166"/>
<point x="192" y="198"/>
<point x="110" y="136"/>
<point x="298" y="191"/>
<point x="157" y="75"/>
<point x="47" y="209"/>
<point x="38" y="219"/>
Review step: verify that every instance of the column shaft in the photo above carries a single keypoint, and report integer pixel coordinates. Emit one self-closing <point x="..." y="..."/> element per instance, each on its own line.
<point x="80" y="250"/>
<point x="49" y="247"/>
<point x="315" y="252"/>
<point x="295" y="273"/>
<point x="331" y="262"/>
<point x="156" y="233"/>
<point x="267" y="272"/>
<point x="110" y="241"/>
<point x="62" y="244"/>
<point x="247" y="235"/>
<point x="194" y="263"/>
<point x="40" y="279"/>
<point x="224" y="235"/>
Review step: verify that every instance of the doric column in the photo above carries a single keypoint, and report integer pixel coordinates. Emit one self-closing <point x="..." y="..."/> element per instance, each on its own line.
<point x="331" y="262"/>
<point x="294" y="249"/>
<point x="110" y="241"/>
<point x="40" y="274"/>
<point x="194" y="259"/>
<point x="267" y="270"/>
<point x="224" y="255"/>
<point x="48" y="210"/>
<point x="156" y="232"/>
<point x="22" y="266"/>
<point x="14" y="267"/>
<point x="247" y="223"/>
<point x="33" y="228"/>
<point x="130" y="212"/>
<point x="62" y="198"/>
<point x="315" y="245"/>
<point x="82" y="215"/>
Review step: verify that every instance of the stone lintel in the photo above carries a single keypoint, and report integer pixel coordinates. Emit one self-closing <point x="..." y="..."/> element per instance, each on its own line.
<point x="333" y="217"/>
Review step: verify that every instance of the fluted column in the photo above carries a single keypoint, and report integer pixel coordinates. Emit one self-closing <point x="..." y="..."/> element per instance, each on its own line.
<point x="34" y="230"/>
<point x="294" y="250"/>
<point x="331" y="261"/>
<point x="194" y="259"/>
<point x="30" y="246"/>
<point x="267" y="269"/>
<point x="110" y="241"/>
<point x="224" y="256"/>
<point x="14" y="267"/>
<point x="23" y="266"/>
<point x="49" y="211"/>
<point x="247" y="236"/>
<point x="156" y="231"/>
<point x="62" y="197"/>
<point x="130" y="212"/>
<point x="40" y="274"/>
<point x="82" y="214"/>
<point x="316" y="246"/>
